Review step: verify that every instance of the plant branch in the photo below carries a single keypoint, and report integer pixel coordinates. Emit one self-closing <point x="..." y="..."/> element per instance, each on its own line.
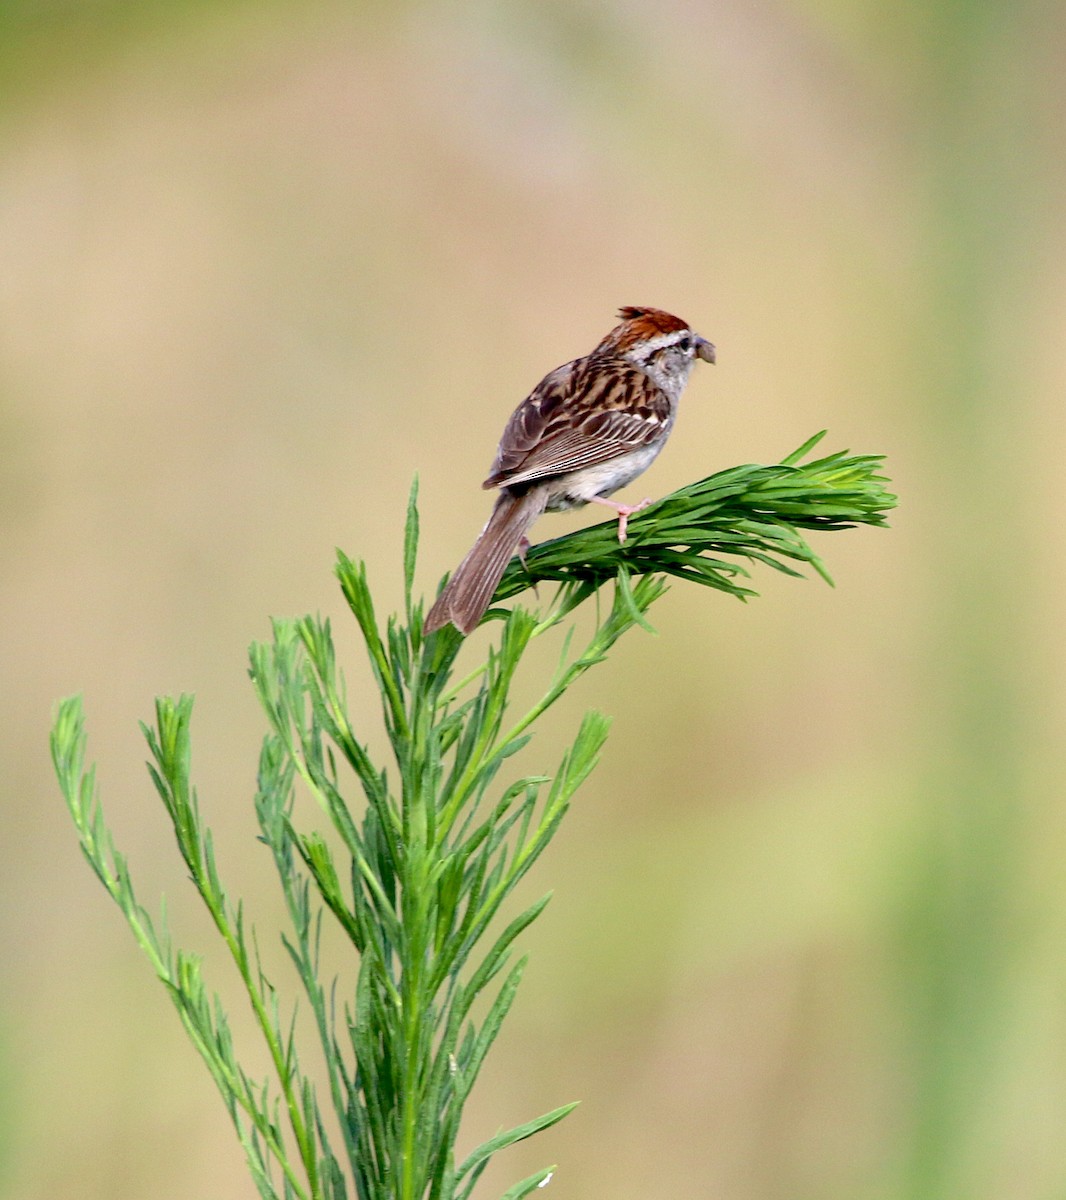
<point x="749" y="512"/>
<point x="430" y="847"/>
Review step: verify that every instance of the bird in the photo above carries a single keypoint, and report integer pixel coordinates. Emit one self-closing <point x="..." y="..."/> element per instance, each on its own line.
<point x="589" y="428"/>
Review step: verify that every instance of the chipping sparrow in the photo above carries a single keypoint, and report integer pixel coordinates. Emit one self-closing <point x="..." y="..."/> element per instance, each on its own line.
<point x="586" y="430"/>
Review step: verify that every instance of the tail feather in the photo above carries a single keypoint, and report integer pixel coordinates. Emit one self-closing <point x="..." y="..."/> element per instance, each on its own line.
<point x="470" y="590"/>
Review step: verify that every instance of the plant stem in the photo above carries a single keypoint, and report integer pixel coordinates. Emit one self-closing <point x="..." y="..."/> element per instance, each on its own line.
<point x="427" y="865"/>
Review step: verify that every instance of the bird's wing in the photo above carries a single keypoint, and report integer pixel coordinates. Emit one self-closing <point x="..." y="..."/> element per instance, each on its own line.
<point x="582" y="414"/>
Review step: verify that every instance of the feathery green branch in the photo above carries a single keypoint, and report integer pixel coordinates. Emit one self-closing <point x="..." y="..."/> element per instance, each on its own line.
<point x="423" y="854"/>
<point x="747" y="512"/>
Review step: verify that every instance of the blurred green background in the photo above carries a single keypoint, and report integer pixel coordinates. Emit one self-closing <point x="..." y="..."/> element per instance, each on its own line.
<point x="262" y="262"/>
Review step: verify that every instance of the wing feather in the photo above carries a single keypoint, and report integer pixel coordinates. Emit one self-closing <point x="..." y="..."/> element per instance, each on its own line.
<point x="584" y="413"/>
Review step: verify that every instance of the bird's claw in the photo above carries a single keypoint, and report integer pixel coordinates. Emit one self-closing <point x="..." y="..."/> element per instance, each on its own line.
<point x="625" y="511"/>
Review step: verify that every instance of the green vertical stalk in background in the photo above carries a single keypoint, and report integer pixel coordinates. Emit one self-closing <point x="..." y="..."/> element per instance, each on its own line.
<point x="976" y="123"/>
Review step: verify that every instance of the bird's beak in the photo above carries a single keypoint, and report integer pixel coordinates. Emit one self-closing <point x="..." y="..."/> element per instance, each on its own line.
<point x="704" y="350"/>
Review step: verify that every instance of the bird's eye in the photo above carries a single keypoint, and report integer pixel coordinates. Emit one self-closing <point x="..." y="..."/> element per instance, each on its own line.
<point x="685" y="343"/>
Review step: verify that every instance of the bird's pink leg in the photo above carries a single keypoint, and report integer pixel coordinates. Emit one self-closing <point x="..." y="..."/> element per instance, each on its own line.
<point x="523" y="545"/>
<point x="624" y="511"/>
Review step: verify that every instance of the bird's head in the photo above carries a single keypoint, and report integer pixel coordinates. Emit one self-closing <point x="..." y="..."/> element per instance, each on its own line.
<point x="660" y="344"/>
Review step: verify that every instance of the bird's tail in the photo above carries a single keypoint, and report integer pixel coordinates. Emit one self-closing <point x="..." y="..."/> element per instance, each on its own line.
<point x="470" y="589"/>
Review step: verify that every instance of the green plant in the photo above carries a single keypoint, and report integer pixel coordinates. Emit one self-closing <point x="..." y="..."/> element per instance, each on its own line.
<point x="418" y="869"/>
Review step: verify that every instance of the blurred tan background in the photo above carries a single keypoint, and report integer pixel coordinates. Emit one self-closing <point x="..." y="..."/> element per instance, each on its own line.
<point x="261" y="263"/>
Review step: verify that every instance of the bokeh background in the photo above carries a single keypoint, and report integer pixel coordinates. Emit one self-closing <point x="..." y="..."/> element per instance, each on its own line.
<point x="262" y="262"/>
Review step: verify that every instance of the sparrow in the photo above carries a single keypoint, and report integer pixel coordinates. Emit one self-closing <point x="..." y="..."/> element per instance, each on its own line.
<point x="589" y="428"/>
